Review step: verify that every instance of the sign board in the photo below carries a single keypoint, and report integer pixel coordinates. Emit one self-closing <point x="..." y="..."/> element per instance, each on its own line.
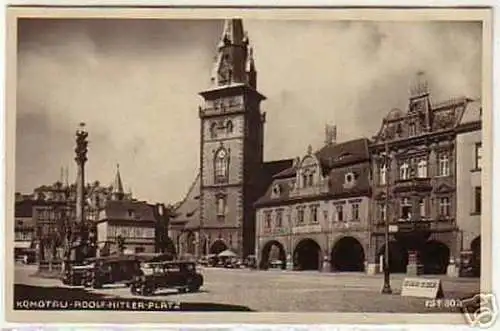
<point x="393" y="228"/>
<point x="422" y="288"/>
<point x="310" y="228"/>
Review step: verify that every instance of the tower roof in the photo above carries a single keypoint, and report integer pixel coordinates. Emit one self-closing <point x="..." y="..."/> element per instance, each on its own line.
<point x="234" y="61"/>
<point x="118" y="191"/>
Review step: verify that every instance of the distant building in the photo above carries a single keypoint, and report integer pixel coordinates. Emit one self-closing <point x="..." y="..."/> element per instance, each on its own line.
<point x="24" y="227"/>
<point x="134" y="221"/>
<point x="316" y="213"/>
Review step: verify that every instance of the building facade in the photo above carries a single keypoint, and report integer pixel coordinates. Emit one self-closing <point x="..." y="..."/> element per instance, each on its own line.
<point x="469" y="180"/>
<point x="417" y="173"/>
<point x="24" y="227"/>
<point x="315" y="215"/>
<point x="125" y="225"/>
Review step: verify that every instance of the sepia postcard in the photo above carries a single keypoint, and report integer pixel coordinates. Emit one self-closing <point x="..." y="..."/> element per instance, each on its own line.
<point x="196" y="165"/>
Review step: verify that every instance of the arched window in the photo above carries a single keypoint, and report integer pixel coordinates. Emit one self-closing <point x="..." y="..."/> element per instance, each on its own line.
<point x="229" y="127"/>
<point x="213" y="130"/>
<point x="221" y="166"/>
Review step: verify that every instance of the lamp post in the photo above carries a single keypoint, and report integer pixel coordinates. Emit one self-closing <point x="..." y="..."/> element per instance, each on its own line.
<point x="387" y="280"/>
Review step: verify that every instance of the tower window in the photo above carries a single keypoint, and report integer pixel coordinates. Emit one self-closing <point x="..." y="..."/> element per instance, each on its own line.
<point x="221" y="208"/>
<point x="221" y="166"/>
<point x="213" y="130"/>
<point x="229" y="127"/>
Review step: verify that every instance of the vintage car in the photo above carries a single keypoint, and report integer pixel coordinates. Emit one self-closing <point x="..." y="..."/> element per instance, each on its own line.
<point x="112" y="270"/>
<point x="75" y="274"/>
<point x="179" y="275"/>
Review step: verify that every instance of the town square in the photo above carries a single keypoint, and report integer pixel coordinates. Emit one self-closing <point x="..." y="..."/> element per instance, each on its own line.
<point x="228" y="216"/>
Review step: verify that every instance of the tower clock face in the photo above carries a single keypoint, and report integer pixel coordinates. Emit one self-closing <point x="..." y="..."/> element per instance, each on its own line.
<point x="222" y="154"/>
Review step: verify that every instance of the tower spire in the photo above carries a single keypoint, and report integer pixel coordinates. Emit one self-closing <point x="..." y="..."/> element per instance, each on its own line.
<point x="234" y="60"/>
<point x="118" y="192"/>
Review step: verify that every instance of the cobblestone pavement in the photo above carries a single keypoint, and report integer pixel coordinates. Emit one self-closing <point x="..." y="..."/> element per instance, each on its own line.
<point x="285" y="291"/>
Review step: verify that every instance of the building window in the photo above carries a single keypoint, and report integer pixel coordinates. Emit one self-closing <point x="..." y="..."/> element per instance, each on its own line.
<point x="422" y="208"/>
<point x="444" y="165"/>
<point x="340" y="213"/>
<point x="304" y="179"/>
<point x="300" y="216"/>
<point x="213" y="130"/>
<point x="422" y="168"/>
<point x="229" y="127"/>
<point x="221" y="206"/>
<point x="140" y="250"/>
<point x="130" y="213"/>
<point x="444" y="207"/>
<point x="279" y="218"/>
<point x="479" y="155"/>
<point x="221" y="166"/>
<point x="314" y="214"/>
<point x="412" y="129"/>
<point x="404" y="171"/>
<point x="311" y="180"/>
<point x="477" y="200"/>
<point x="382" y="211"/>
<point x="405" y="209"/>
<point x="355" y="211"/>
<point x="349" y="178"/>
<point x="267" y="219"/>
<point x="383" y="174"/>
<point x="276" y="191"/>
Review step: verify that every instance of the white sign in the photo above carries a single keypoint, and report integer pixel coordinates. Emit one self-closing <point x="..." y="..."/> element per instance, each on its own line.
<point x="307" y="228"/>
<point x="422" y="288"/>
<point x="393" y="228"/>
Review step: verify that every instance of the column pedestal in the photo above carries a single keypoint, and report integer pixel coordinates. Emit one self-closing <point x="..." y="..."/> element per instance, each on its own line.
<point x="414" y="267"/>
<point x="289" y="262"/>
<point x="326" y="265"/>
<point x="452" y="269"/>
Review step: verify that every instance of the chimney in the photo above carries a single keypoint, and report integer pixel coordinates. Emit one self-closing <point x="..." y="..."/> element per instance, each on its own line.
<point x="330" y="134"/>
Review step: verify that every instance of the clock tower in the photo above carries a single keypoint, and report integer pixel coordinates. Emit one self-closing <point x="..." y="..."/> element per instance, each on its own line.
<point x="231" y="151"/>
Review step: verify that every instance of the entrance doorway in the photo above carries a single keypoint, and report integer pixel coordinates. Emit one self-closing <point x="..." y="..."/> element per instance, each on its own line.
<point x="273" y="254"/>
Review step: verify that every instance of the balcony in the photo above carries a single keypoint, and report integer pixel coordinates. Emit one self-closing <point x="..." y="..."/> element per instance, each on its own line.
<point x="212" y="111"/>
<point x="415" y="184"/>
<point x="319" y="188"/>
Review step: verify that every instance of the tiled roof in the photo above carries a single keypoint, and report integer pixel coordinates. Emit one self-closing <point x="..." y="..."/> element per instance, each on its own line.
<point x="24" y="208"/>
<point x="128" y="210"/>
<point x="341" y="154"/>
<point x="471" y="113"/>
<point x="188" y="210"/>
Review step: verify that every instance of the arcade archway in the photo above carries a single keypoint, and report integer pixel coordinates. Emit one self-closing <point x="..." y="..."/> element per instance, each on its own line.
<point x="307" y="255"/>
<point x="348" y="255"/>
<point x="217" y="247"/>
<point x="398" y="257"/>
<point x="273" y="251"/>
<point x="435" y="257"/>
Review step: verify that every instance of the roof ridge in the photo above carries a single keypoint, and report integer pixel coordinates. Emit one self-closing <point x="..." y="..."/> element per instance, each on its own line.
<point x="191" y="187"/>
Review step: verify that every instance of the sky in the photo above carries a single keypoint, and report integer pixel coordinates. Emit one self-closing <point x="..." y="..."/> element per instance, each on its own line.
<point x="135" y="84"/>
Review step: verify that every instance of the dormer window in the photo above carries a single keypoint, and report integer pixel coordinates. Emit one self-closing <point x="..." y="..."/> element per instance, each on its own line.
<point x="276" y="192"/>
<point x="349" y="178"/>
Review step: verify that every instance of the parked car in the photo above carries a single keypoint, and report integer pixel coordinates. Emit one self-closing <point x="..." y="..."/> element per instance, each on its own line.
<point x="75" y="274"/>
<point x="179" y="275"/>
<point x="112" y="270"/>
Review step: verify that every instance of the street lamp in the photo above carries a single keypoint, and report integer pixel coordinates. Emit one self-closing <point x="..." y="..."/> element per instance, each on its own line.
<point x="387" y="280"/>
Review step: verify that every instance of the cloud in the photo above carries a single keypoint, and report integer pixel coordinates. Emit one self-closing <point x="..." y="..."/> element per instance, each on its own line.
<point x="135" y="84"/>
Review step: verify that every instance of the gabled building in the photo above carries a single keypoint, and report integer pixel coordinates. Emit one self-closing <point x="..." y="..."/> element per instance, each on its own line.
<point x="133" y="221"/>
<point x="417" y="161"/>
<point x="315" y="214"/>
